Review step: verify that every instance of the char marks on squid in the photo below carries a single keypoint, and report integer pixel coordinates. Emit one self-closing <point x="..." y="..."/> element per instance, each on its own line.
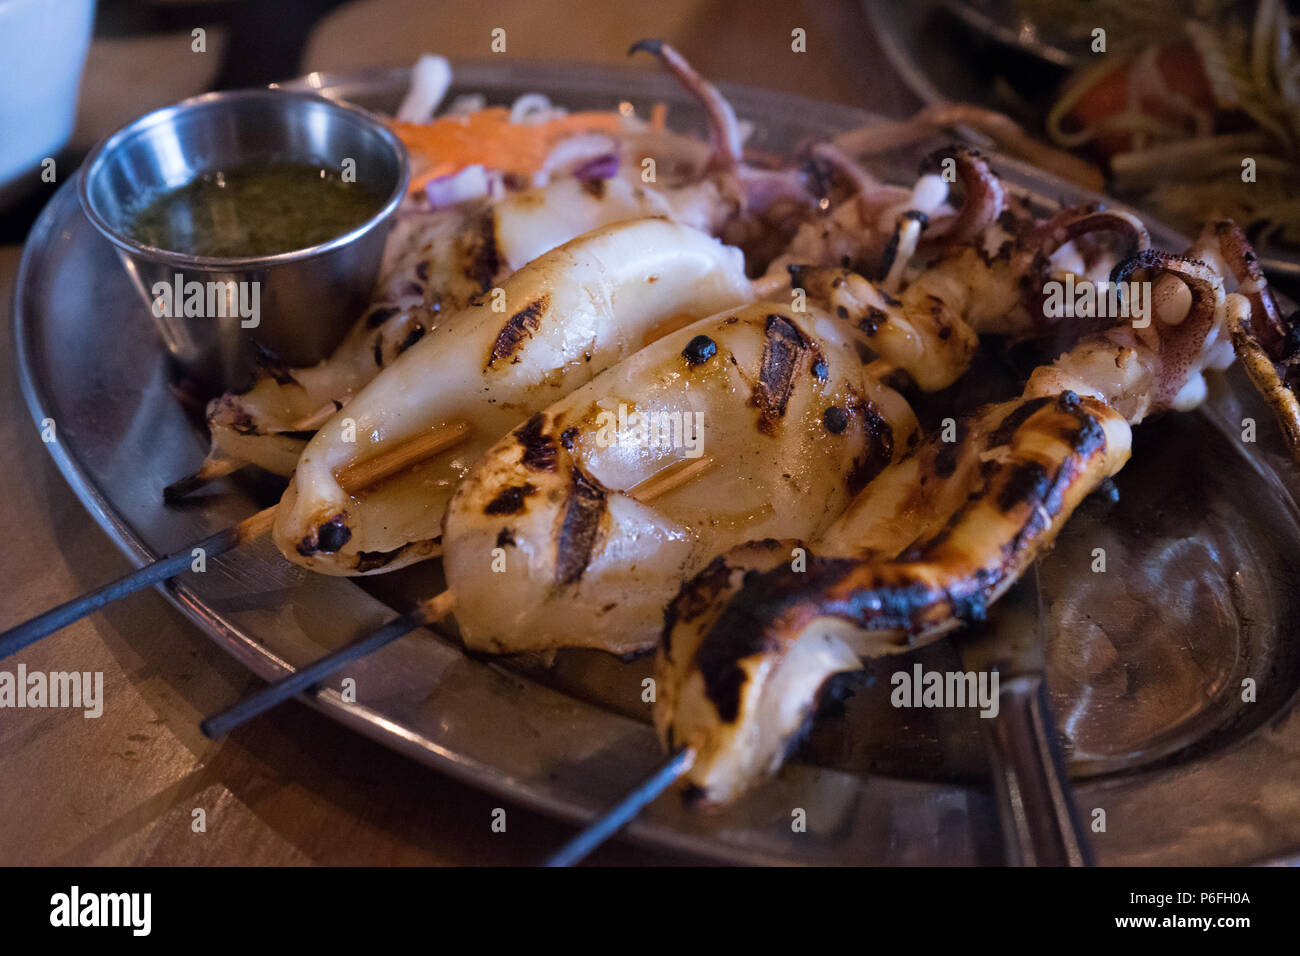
<point x="540" y="449"/>
<point x="510" y="501"/>
<point x="484" y="260"/>
<point x="879" y="450"/>
<point x="517" y="329"/>
<point x="783" y="348"/>
<point x="579" y="528"/>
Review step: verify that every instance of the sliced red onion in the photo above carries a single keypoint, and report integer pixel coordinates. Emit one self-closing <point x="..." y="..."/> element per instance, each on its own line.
<point x="472" y="182"/>
<point x="577" y="150"/>
<point x="598" y="167"/>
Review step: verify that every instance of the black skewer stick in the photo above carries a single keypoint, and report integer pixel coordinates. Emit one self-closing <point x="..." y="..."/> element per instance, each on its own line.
<point x="278" y="691"/>
<point x="355" y="477"/>
<point x="29" y="632"/>
<point x="434" y="609"/>
<point x="622" y="813"/>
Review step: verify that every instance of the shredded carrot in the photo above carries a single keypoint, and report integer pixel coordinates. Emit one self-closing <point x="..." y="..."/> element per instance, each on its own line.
<point x="487" y="137"/>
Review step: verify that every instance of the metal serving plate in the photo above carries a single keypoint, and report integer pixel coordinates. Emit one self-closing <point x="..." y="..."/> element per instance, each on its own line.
<point x="1145" y="665"/>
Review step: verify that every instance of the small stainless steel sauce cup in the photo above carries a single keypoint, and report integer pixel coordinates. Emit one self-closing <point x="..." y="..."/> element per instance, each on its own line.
<point x="305" y="299"/>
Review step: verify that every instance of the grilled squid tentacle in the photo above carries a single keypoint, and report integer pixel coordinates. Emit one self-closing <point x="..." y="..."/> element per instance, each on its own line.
<point x="924" y="330"/>
<point x="726" y="145"/>
<point x="884" y="227"/>
<point x="870" y="192"/>
<point x="1266" y="325"/>
<point x="1159" y="364"/>
<point x="930" y="543"/>
<point x="753" y="204"/>
<point x="746" y="650"/>
<point x="984" y="196"/>
<point x="1047" y="238"/>
<point x="903" y="242"/>
<point x="1077" y="221"/>
<point x="1267" y="343"/>
<point x="998" y="284"/>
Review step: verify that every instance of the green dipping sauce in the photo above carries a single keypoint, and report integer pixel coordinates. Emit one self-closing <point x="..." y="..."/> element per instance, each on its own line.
<point x="261" y="209"/>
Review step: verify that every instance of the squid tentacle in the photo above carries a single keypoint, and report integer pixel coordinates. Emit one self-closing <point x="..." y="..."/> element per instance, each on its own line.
<point x="726" y="147"/>
<point x="1268" y="344"/>
<point x="754" y="191"/>
<point x="984" y="195"/>
<point x="1064" y="227"/>
<point x="923" y="332"/>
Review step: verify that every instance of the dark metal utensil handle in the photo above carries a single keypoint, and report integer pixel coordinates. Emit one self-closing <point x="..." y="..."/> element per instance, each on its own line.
<point x="1040" y="824"/>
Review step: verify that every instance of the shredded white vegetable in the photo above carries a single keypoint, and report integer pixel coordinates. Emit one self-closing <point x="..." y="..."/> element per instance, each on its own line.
<point x="430" y="80"/>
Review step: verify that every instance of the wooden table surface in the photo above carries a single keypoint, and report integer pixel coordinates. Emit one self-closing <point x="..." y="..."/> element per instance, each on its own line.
<point x="292" y="787"/>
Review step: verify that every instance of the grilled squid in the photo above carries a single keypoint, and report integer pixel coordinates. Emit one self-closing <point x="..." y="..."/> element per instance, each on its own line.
<point x="758" y="206"/>
<point x="915" y="333"/>
<point x="945" y="279"/>
<point x="557" y="322"/>
<point x="984" y="265"/>
<point x="438" y="263"/>
<point x="997" y="284"/>
<point x="876" y="230"/>
<point x="931" y="542"/>
<point x="1267" y="342"/>
<point x="931" y="328"/>
<point x="557" y="536"/>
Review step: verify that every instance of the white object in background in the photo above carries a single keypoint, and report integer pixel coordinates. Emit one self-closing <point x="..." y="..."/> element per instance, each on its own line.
<point x="430" y="80"/>
<point x="42" y="50"/>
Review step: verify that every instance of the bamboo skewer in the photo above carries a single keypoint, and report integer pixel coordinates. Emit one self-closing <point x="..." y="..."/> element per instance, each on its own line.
<point x="354" y="478"/>
<point x="316" y="419"/>
<point x="211" y="469"/>
<point x="767" y="286"/>
<point x="357" y="475"/>
<point x="428" y="612"/>
<point x="667" y="479"/>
